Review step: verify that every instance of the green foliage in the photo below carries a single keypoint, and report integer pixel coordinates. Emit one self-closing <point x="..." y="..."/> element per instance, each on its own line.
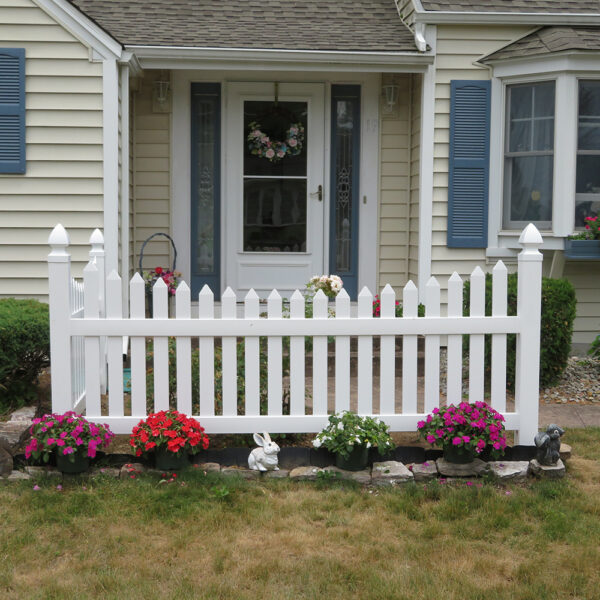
<point x="24" y="350"/>
<point x="558" y="314"/>
<point x="241" y="380"/>
<point x="595" y="348"/>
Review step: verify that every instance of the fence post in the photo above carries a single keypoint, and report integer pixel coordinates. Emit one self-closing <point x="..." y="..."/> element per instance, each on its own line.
<point x="97" y="255"/>
<point x="59" y="285"/>
<point x="529" y="301"/>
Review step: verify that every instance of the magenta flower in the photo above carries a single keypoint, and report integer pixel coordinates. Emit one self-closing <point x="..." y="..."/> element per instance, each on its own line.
<point x="36" y="488"/>
<point x="50" y="441"/>
<point x="60" y="442"/>
<point x="431" y="439"/>
<point x="420" y="424"/>
<point x="466" y="439"/>
<point x="68" y="450"/>
<point x="457" y="441"/>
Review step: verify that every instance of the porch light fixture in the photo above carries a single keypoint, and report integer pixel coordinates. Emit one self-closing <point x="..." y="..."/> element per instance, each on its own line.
<point x="390" y="95"/>
<point x="161" y="92"/>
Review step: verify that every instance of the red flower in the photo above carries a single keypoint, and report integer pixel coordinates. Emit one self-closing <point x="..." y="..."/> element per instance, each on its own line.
<point x="158" y="270"/>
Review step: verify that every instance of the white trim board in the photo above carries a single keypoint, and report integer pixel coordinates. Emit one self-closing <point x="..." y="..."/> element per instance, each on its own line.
<point x="181" y="167"/>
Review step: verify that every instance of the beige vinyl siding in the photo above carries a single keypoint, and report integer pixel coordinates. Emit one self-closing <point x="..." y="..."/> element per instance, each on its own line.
<point x="63" y="178"/>
<point x="152" y="176"/>
<point x="413" y="250"/>
<point x="585" y="276"/>
<point x="394" y="186"/>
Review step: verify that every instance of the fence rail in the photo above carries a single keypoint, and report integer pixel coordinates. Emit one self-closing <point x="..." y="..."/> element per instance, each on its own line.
<point x="280" y="336"/>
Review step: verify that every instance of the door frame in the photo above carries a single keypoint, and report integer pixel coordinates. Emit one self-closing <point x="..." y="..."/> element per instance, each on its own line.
<point x="180" y="145"/>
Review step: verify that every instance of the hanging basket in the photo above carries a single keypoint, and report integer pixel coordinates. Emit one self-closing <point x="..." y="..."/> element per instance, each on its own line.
<point x="141" y="269"/>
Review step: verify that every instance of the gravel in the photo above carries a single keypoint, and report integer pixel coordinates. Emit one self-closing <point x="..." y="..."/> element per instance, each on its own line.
<point x="580" y="383"/>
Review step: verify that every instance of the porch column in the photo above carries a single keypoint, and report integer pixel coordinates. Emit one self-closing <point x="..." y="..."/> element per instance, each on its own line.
<point x="125" y="185"/>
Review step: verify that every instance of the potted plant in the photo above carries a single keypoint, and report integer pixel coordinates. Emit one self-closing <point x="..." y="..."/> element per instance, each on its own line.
<point x="70" y="437"/>
<point x="170" y="437"/>
<point x="585" y="245"/>
<point x="350" y="436"/>
<point x="465" y="431"/>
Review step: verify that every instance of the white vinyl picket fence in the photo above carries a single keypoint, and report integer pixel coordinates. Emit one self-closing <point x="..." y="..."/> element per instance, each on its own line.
<point x="310" y="400"/>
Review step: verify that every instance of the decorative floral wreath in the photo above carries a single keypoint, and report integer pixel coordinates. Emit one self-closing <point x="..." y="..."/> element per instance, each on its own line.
<point x="262" y="146"/>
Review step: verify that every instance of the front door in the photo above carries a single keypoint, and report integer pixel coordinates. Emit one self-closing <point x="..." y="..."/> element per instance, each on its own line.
<point x="274" y="175"/>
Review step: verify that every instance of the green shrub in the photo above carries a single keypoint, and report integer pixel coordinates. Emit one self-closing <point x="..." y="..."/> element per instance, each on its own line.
<point x="595" y="348"/>
<point x="558" y="314"/>
<point x="24" y="350"/>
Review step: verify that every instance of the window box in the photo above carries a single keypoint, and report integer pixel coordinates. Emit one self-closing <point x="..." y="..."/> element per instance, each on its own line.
<point x="582" y="249"/>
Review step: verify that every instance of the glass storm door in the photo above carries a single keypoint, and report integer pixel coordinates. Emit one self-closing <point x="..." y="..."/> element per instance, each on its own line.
<point x="274" y="200"/>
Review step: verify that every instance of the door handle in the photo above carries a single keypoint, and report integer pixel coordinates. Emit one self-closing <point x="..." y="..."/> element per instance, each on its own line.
<point x="318" y="193"/>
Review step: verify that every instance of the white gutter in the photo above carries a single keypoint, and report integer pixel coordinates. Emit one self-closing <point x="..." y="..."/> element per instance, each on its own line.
<point x="506" y="18"/>
<point x="163" y="57"/>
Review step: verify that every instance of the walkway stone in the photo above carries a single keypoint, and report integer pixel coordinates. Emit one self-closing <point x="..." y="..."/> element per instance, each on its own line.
<point x="209" y="467"/>
<point x="390" y="473"/>
<point x="565" y="451"/>
<point x="281" y="474"/>
<point x="243" y="473"/>
<point x="424" y="471"/>
<point x="363" y="477"/>
<point x="305" y="473"/>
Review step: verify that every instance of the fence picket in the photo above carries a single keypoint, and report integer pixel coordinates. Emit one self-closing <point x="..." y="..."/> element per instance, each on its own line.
<point x="454" y="359"/>
<point x="275" y="358"/>
<point x="229" y="354"/>
<point x="410" y="306"/>
<point x="476" y="341"/>
<point x="160" y="309"/>
<point x="184" y="351"/>
<point x="320" y="311"/>
<point x="206" y="354"/>
<point x="97" y="254"/>
<point x="114" y="310"/>
<point x="137" y="310"/>
<point x="342" y="355"/>
<point x="499" y="309"/>
<point x="252" y="357"/>
<point x="91" y="279"/>
<point x="297" y="359"/>
<point x="387" y="357"/>
<point x="365" y="354"/>
<point x="432" y="347"/>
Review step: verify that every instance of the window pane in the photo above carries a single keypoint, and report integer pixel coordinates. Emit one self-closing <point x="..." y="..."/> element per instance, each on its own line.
<point x="589" y="115"/>
<point x="543" y="105"/>
<point x="274" y="121"/>
<point x="530" y="186"/>
<point x="588" y="175"/>
<point x="520" y="136"/>
<point x="543" y="134"/>
<point x="520" y="101"/>
<point x="275" y="215"/>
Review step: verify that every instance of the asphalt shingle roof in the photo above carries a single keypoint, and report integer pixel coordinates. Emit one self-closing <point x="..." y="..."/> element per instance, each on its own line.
<point x="368" y="25"/>
<point x="548" y="40"/>
<point x="514" y="6"/>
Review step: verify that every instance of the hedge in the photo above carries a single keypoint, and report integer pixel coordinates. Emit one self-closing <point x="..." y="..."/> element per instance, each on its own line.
<point x="24" y="350"/>
<point x="558" y="313"/>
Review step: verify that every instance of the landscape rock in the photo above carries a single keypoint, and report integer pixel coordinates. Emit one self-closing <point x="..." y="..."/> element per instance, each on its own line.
<point x="27" y="413"/>
<point x="209" y="467"/>
<point x="281" y="474"/>
<point x="130" y="470"/>
<point x="472" y="469"/>
<point x="556" y="471"/>
<point x="565" y="451"/>
<point x="390" y="472"/>
<point x="243" y="473"/>
<point x="18" y="476"/>
<point x="363" y="477"/>
<point x="424" y="471"/>
<point x="6" y="459"/>
<point x="509" y="471"/>
<point x="305" y="473"/>
<point x="12" y="431"/>
<point x="105" y="472"/>
<point x="47" y="471"/>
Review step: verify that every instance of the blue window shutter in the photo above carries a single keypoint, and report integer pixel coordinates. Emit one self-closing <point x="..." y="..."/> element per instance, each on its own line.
<point x="12" y="110"/>
<point x="468" y="165"/>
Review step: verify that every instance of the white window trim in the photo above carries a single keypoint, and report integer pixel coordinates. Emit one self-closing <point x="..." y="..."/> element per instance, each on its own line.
<point x="566" y="71"/>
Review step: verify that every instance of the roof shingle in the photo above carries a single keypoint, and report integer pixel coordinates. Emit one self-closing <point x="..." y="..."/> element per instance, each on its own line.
<point x="548" y="40"/>
<point x="514" y="6"/>
<point x="369" y="25"/>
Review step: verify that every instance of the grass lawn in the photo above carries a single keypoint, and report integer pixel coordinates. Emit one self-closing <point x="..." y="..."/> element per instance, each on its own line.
<point x="204" y="536"/>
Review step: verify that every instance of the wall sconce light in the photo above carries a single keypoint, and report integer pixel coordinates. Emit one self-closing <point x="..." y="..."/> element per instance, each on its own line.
<point x="161" y="95"/>
<point x="390" y="96"/>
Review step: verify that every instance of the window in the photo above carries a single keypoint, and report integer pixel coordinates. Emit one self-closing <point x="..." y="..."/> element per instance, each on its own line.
<point x="529" y="155"/>
<point x="587" y="182"/>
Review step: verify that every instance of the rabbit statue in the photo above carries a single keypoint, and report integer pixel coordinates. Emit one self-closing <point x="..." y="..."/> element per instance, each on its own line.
<point x="264" y="458"/>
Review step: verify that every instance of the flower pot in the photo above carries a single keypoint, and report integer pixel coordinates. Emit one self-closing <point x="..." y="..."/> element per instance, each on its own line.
<point x="458" y="455"/>
<point x="164" y="460"/>
<point x="79" y="465"/>
<point x="582" y="249"/>
<point x="357" y="460"/>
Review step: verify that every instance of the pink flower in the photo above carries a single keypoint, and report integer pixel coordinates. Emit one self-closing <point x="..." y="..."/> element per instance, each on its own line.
<point x="50" y="441"/>
<point x="60" y="442"/>
<point x="439" y="433"/>
<point x="466" y="439"/>
<point x="270" y="153"/>
<point x="469" y="483"/>
<point x="36" y="488"/>
<point x="420" y="424"/>
<point x="457" y="441"/>
<point x="431" y="439"/>
<point x="67" y="451"/>
<point x="292" y="142"/>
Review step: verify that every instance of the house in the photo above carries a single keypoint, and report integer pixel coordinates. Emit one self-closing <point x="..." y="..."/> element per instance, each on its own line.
<point x="379" y="140"/>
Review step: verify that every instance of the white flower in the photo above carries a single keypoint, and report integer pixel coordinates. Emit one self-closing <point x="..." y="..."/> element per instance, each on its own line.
<point x="368" y="444"/>
<point x="317" y="443"/>
<point x="340" y="426"/>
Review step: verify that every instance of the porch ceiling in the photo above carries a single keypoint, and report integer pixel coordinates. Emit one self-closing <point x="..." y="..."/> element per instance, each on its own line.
<point x="326" y="25"/>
